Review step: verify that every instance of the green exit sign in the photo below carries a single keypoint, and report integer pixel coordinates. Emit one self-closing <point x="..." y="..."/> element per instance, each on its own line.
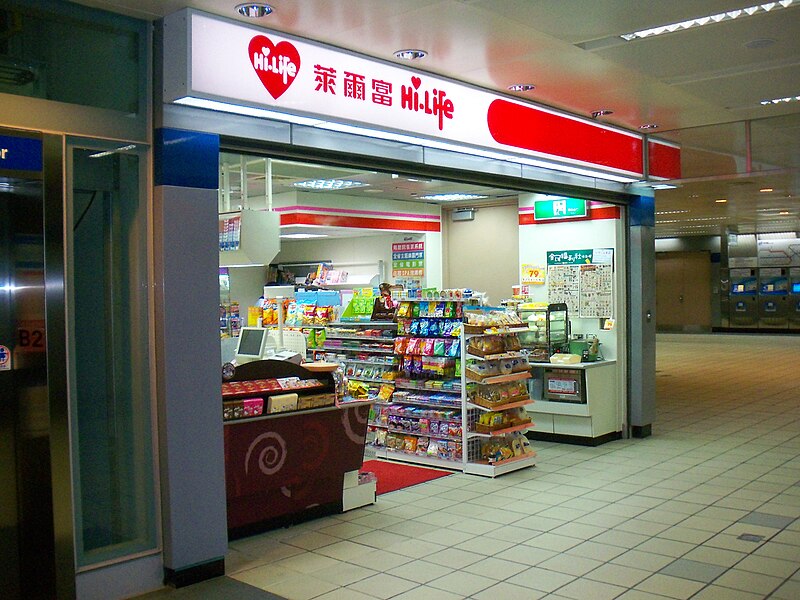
<point x="562" y="208"/>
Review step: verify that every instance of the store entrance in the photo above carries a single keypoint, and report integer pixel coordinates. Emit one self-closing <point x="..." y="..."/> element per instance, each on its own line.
<point x="26" y="508"/>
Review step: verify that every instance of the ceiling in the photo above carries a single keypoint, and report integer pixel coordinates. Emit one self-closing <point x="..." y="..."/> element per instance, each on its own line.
<point x="702" y="86"/>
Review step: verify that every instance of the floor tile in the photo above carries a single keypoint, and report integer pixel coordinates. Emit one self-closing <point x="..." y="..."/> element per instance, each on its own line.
<point x="766" y="520"/>
<point x="302" y="587"/>
<point x="307" y="563"/>
<point x="344" y="550"/>
<point x="541" y="579"/>
<point x="571" y="565"/>
<point x="421" y="571"/>
<point x="383" y="586"/>
<point x="790" y="590"/>
<point x="424" y="592"/>
<point x="770" y="566"/>
<point x="344" y="594"/>
<point x="380" y="560"/>
<point x="666" y="547"/>
<point x="495" y="568"/>
<point x="749" y="582"/>
<point x="462" y="583"/>
<point x="693" y="570"/>
<point x="454" y="558"/>
<point x="554" y="542"/>
<point x="526" y="555"/>
<point x="672" y="587"/>
<point x="580" y="589"/>
<point x="618" y="575"/>
<point x="714" y="556"/>
<point x="508" y="591"/>
<point x="483" y="545"/>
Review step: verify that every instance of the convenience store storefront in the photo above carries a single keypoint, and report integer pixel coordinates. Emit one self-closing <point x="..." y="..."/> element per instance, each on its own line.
<point x="228" y="87"/>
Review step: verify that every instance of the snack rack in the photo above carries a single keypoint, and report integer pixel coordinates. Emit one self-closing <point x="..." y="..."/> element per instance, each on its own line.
<point x="494" y="394"/>
<point x="425" y="414"/>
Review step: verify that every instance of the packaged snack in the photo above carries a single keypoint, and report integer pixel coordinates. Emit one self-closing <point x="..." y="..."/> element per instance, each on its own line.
<point x="311" y="338"/>
<point x="445" y="451"/>
<point x="439" y="347"/>
<point x="427" y="347"/>
<point x="404" y="310"/>
<point x="380" y="437"/>
<point x="400" y="344"/>
<point x="385" y="393"/>
<point x="321" y="336"/>
<point x="433" y="448"/>
<point x="423" y="309"/>
<point x="450" y="310"/>
<point x="439" y="310"/>
<point x="454" y="350"/>
<point x="415" y="309"/>
<point x="435" y="327"/>
<point x="413" y="346"/>
<point x="309" y="311"/>
<point x="410" y="444"/>
<point x="422" y="446"/>
<point x="424" y="327"/>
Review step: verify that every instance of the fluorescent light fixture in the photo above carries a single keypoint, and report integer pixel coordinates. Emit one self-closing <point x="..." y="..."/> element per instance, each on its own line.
<point x="302" y="236"/>
<point x="708" y="20"/>
<point x="603" y="112"/>
<point x="411" y="54"/>
<point x="329" y="184"/>
<point x="114" y="151"/>
<point x="452" y="197"/>
<point x="521" y="87"/>
<point x="721" y="200"/>
<point x="254" y="10"/>
<point x="664" y="186"/>
<point x="766" y="190"/>
<point x="783" y="212"/>
<point x="649" y="126"/>
<point x="249" y="111"/>
<point x="404" y="138"/>
<point x="671" y="212"/>
<point x="780" y="100"/>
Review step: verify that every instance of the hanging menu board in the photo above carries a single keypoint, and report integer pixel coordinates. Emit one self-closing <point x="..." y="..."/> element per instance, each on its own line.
<point x="583" y="280"/>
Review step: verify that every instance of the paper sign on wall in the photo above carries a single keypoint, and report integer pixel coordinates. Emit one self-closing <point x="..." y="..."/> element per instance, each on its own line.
<point x="532" y="274"/>
<point x="5" y="358"/>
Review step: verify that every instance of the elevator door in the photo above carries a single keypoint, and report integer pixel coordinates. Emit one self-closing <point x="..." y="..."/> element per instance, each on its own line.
<point x="683" y="291"/>
<point x="26" y="510"/>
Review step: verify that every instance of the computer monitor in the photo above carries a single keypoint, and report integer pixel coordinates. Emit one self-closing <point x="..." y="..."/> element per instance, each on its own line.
<point x="252" y="344"/>
<point x="796" y="287"/>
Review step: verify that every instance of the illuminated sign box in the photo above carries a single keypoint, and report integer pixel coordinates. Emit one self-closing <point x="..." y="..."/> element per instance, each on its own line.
<point x="562" y="208"/>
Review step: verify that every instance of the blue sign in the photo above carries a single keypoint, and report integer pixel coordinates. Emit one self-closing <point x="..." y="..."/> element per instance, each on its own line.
<point x="20" y="153"/>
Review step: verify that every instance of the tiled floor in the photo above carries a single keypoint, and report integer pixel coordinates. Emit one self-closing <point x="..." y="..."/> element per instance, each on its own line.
<point x="707" y="508"/>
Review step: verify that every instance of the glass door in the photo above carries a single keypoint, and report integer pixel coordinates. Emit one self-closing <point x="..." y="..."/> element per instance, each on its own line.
<point x="26" y="504"/>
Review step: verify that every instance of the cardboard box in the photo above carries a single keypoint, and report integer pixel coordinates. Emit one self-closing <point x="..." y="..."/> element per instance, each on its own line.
<point x="281" y="403"/>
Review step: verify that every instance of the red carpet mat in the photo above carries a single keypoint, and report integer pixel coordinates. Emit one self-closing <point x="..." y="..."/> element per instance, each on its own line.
<point x="394" y="476"/>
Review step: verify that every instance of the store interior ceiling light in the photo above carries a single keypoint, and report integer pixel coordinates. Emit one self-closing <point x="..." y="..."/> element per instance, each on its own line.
<point x="254" y="10"/>
<point x="403" y="138"/>
<point x="302" y="236"/>
<point x="721" y="200"/>
<point x="452" y="197"/>
<point x="521" y="87"/>
<point x="664" y="186"/>
<point x="780" y="100"/>
<point x="766" y="190"/>
<point x="410" y="54"/>
<point x="671" y="212"/>
<point x="649" y="126"/>
<point x="329" y="184"/>
<point x="603" y="112"/>
<point x="708" y="20"/>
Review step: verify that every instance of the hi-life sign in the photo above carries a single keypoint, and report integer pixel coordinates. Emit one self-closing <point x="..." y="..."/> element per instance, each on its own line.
<point x="225" y="65"/>
<point x="560" y="208"/>
<point x="20" y="153"/>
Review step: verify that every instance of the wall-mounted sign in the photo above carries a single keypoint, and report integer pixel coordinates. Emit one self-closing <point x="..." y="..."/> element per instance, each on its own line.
<point x="532" y="274"/>
<point x="5" y="358"/>
<point x="408" y="259"/>
<point x="20" y="153"/>
<point x="560" y="208"/>
<point x="596" y="256"/>
<point x="215" y="63"/>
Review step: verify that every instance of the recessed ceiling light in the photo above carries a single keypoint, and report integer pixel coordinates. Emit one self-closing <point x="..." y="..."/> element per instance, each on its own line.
<point x="521" y="87"/>
<point x="254" y="10"/>
<point x="784" y="212"/>
<point x="410" y="54"/>
<point x="452" y="197"/>
<point x="663" y="186"/>
<point x="603" y="112"/>
<point x="709" y="20"/>
<point x="114" y="151"/>
<point x="649" y="126"/>
<point x="302" y="236"/>
<point x="373" y="191"/>
<point x="780" y="100"/>
<point x="766" y="190"/>
<point x="329" y="184"/>
<point x="721" y="200"/>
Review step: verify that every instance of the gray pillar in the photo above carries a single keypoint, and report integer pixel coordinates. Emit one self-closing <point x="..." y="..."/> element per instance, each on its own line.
<point x="191" y="447"/>
<point x="642" y="315"/>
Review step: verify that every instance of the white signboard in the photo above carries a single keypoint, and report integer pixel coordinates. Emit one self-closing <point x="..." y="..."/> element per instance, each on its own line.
<point x="231" y="62"/>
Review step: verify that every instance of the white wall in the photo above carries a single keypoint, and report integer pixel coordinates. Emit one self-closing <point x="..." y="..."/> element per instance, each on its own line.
<point x="483" y="254"/>
<point x="536" y="240"/>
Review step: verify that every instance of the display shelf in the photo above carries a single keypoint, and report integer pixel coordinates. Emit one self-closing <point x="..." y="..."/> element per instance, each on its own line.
<point x="351" y="401"/>
<point x="488" y="469"/>
<point x="475" y="331"/>
<point x="263" y="392"/>
<point x="378" y="425"/>
<point x="425" y="435"/>
<point x="360" y="338"/>
<point x="424" y="403"/>
<point x="376" y="324"/>
<point x="500" y="378"/>
<point x="499" y="356"/>
<point x="386" y="362"/>
<point x="371" y="380"/>
<point x="405" y="384"/>
<point x="507" y="406"/>
<point x="500" y="432"/>
<point x="430" y="461"/>
<point x="364" y="350"/>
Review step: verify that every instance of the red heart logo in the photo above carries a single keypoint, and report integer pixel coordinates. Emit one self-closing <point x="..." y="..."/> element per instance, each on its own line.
<point x="276" y="65"/>
<point x="416" y="82"/>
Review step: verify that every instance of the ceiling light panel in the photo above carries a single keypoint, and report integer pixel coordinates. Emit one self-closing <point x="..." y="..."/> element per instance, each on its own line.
<point x="709" y="20"/>
<point x="452" y="197"/>
<point x="780" y="100"/>
<point x="329" y="184"/>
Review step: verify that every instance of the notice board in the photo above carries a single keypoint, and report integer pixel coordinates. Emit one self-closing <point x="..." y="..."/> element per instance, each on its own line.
<point x="583" y="280"/>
